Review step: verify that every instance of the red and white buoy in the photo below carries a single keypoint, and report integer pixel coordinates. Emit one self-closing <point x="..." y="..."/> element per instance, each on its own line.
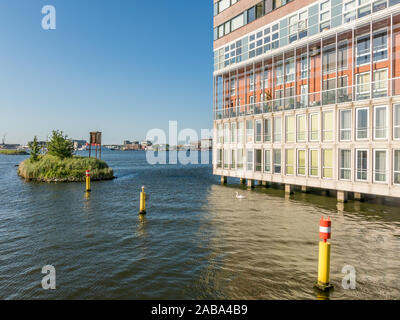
<point x="325" y="229"/>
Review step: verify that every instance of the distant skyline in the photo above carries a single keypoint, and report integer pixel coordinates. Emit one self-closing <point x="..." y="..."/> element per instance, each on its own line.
<point x="122" y="67"/>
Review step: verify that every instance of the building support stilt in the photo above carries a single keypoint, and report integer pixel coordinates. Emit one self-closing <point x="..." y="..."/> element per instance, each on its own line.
<point x="289" y="189"/>
<point x="250" y="183"/>
<point x="358" y="196"/>
<point x="224" y="179"/>
<point x="342" y="196"/>
<point x="305" y="189"/>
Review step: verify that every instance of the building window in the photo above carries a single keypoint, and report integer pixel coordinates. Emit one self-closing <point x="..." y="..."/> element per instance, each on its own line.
<point x="396" y="121"/>
<point x="290" y="127"/>
<point x="226" y="159"/>
<point x="380" y="116"/>
<point x="301" y="128"/>
<point x="267" y="130"/>
<point x="301" y="162"/>
<point x="289" y="70"/>
<point x="277" y="129"/>
<point x="329" y="59"/>
<point x="278" y="102"/>
<point x="279" y="73"/>
<point x="380" y="45"/>
<point x="314" y="163"/>
<point x="258" y="155"/>
<point x="343" y="92"/>
<point x="329" y="91"/>
<point x="220" y="135"/>
<point x="345" y="125"/>
<point x="279" y="3"/>
<point x="363" y="50"/>
<point x="345" y="164"/>
<point x="233" y="159"/>
<point x="259" y="130"/>
<point x="304" y="67"/>
<point x="362" y="165"/>
<point x="277" y="160"/>
<point x="327" y="164"/>
<point x="350" y="12"/>
<point x="380" y="165"/>
<point x="219" y="158"/>
<point x="304" y="96"/>
<point x="379" y="85"/>
<point x="249" y="159"/>
<point x="249" y="131"/>
<point x="289" y="156"/>
<point x="363" y="86"/>
<point x="325" y="15"/>
<point x="362" y="119"/>
<point x="233" y="132"/>
<point x="266" y="78"/>
<point x="314" y="127"/>
<point x="240" y="132"/>
<point x="240" y="158"/>
<point x="267" y="160"/>
<point x="379" y="5"/>
<point x="251" y="80"/>
<point x="327" y="132"/>
<point x="233" y="86"/>
<point x="365" y="10"/>
<point x="342" y="55"/>
<point x="226" y="132"/>
<point x="396" y="166"/>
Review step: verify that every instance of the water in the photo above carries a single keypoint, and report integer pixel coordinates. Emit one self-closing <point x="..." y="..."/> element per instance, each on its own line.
<point x="196" y="242"/>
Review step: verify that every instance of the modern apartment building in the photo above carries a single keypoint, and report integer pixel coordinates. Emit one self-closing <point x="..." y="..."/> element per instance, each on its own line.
<point x="307" y="93"/>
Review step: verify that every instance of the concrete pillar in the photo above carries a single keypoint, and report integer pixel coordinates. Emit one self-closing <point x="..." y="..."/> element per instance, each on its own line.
<point x="242" y="181"/>
<point x="250" y="183"/>
<point x="358" y="196"/>
<point x="304" y="189"/>
<point x="224" y="179"/>
<point x="342" y="196"/>
<point x="264" y="183"/>
<point x="325" y="193"/>
<point x="288" y="189"/>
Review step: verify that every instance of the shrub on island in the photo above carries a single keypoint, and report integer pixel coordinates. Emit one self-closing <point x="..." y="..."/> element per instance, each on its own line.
<point x="49" y="168"/>
<point x="59" y="164"/>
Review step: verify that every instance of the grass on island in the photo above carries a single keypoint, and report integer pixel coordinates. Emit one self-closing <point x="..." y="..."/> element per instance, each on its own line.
<point x="50" y="168"/>
<point x="13" y="152"/>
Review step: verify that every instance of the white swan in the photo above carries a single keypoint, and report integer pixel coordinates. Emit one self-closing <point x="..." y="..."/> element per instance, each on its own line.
<point x="239" y="196"/>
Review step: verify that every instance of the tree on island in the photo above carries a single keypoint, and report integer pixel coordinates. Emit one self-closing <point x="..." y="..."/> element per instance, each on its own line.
<point x="35" y="149"/>
<point x="59" y="145"/>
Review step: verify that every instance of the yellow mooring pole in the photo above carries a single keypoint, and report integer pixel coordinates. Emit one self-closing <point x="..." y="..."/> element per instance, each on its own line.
<point x="142" y="202"/>
<point x="324" y="258"/>
<point x="88" y="181"/>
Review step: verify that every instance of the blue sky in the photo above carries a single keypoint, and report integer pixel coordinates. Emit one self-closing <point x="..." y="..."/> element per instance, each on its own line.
<point x="118" y="66"/>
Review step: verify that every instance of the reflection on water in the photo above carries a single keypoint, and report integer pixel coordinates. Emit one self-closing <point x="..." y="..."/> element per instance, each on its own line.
<point x="197" y="240"/>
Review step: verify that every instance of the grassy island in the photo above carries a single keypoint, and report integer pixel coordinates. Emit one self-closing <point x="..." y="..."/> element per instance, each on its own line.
<point x="48" y="168"/>
<point x="13" y="152"/>
<point x="59" y="164"/>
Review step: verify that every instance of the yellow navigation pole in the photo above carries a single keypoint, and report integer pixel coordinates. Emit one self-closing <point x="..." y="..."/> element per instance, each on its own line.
<point x="142" y="202"/>
<point x="324" y="258"/>
<point x="88" y="181"/>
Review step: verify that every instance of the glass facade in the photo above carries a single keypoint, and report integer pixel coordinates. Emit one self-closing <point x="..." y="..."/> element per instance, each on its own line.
<point x="348" y="66"/>
<point x="320" y="110"/>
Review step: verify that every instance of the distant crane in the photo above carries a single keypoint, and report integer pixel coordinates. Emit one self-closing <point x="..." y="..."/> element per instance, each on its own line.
<point x="4" y="138"/>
